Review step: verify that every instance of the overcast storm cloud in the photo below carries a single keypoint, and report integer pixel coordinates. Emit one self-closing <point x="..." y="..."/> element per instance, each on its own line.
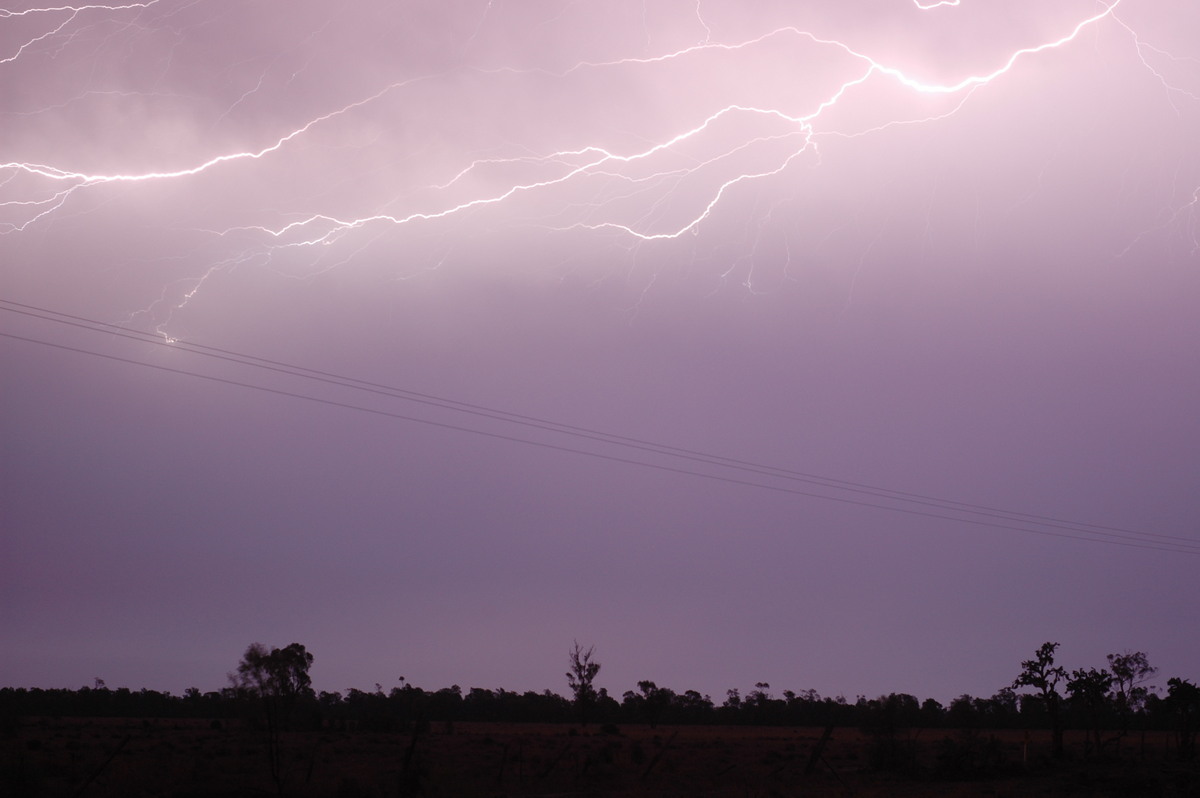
<point x="843" y="346"/>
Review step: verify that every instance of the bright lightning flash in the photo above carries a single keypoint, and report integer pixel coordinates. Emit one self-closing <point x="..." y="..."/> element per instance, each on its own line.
<point x="659" y="181"/>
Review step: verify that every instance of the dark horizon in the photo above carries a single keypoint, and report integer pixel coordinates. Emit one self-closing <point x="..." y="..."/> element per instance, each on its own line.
<point x="1154" y="684"/>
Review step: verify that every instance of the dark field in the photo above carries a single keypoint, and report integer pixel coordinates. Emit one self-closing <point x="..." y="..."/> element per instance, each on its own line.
<point x="121" y="757"/>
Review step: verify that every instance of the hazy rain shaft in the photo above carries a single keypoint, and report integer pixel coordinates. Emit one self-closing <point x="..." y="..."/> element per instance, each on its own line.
<point x="810" y="345"/>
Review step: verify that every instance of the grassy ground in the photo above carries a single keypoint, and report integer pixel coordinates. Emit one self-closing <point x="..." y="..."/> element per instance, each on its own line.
<point x="129" y="758"/>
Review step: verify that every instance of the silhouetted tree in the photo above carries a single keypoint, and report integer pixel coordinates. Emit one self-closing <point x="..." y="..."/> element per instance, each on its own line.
<point x="1044" y="676"/>
<point x="694" y="707"/>
<point x="278" y="680"/>
<point x="1000" y="711"/>
<point x="731" y="707"/>
<point x="1183" y="701"/>
<point x="1130" y="672"/>
<point x="932" y="713"/>
<point x="278" y="677"/>
<point x="581" y="678"/>
<point x="654" y="701"/>
<point x="963" y="713"/>
<point x="760" y="708"/>
<point x="887" y="721"/>
<point x="1089" y="691"/>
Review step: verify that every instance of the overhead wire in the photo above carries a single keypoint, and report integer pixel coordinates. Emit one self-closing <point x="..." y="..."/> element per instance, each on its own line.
<point x="1015" y="520"/>
<point x="544" y="424"/>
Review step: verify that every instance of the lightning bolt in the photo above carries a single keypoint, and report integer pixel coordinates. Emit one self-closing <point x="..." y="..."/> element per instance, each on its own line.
<point x="69" y="13"/>
<point x="659" y="191"/>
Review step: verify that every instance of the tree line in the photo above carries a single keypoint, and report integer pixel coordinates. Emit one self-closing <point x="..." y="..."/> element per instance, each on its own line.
<point x="273" y="686"/>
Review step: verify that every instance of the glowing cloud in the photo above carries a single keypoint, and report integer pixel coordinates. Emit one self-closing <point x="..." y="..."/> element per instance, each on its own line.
<point x="649" y="181"/>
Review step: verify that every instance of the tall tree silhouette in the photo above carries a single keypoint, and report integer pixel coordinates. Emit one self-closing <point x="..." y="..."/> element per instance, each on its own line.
<point x="277" y="680"/>
<point x="1130" y="671"/>
<point x="1183" y="699"/>
<point x="1089" y="689"/>
<point x="581" y="678"/>
<point x="1044" y="676"/>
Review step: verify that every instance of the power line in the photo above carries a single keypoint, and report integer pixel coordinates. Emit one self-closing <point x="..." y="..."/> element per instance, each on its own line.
<point x="530" y="421"/>
<point x="1042" y="525"/>
<point x="557" y="427"/>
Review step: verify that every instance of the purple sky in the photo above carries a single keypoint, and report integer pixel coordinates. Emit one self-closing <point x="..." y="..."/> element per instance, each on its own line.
<point x="914" y="250"/>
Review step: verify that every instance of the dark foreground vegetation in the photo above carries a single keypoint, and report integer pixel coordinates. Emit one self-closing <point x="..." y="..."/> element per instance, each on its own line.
<point x="1107" y="733"/>
<point x="118" y="757"/>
